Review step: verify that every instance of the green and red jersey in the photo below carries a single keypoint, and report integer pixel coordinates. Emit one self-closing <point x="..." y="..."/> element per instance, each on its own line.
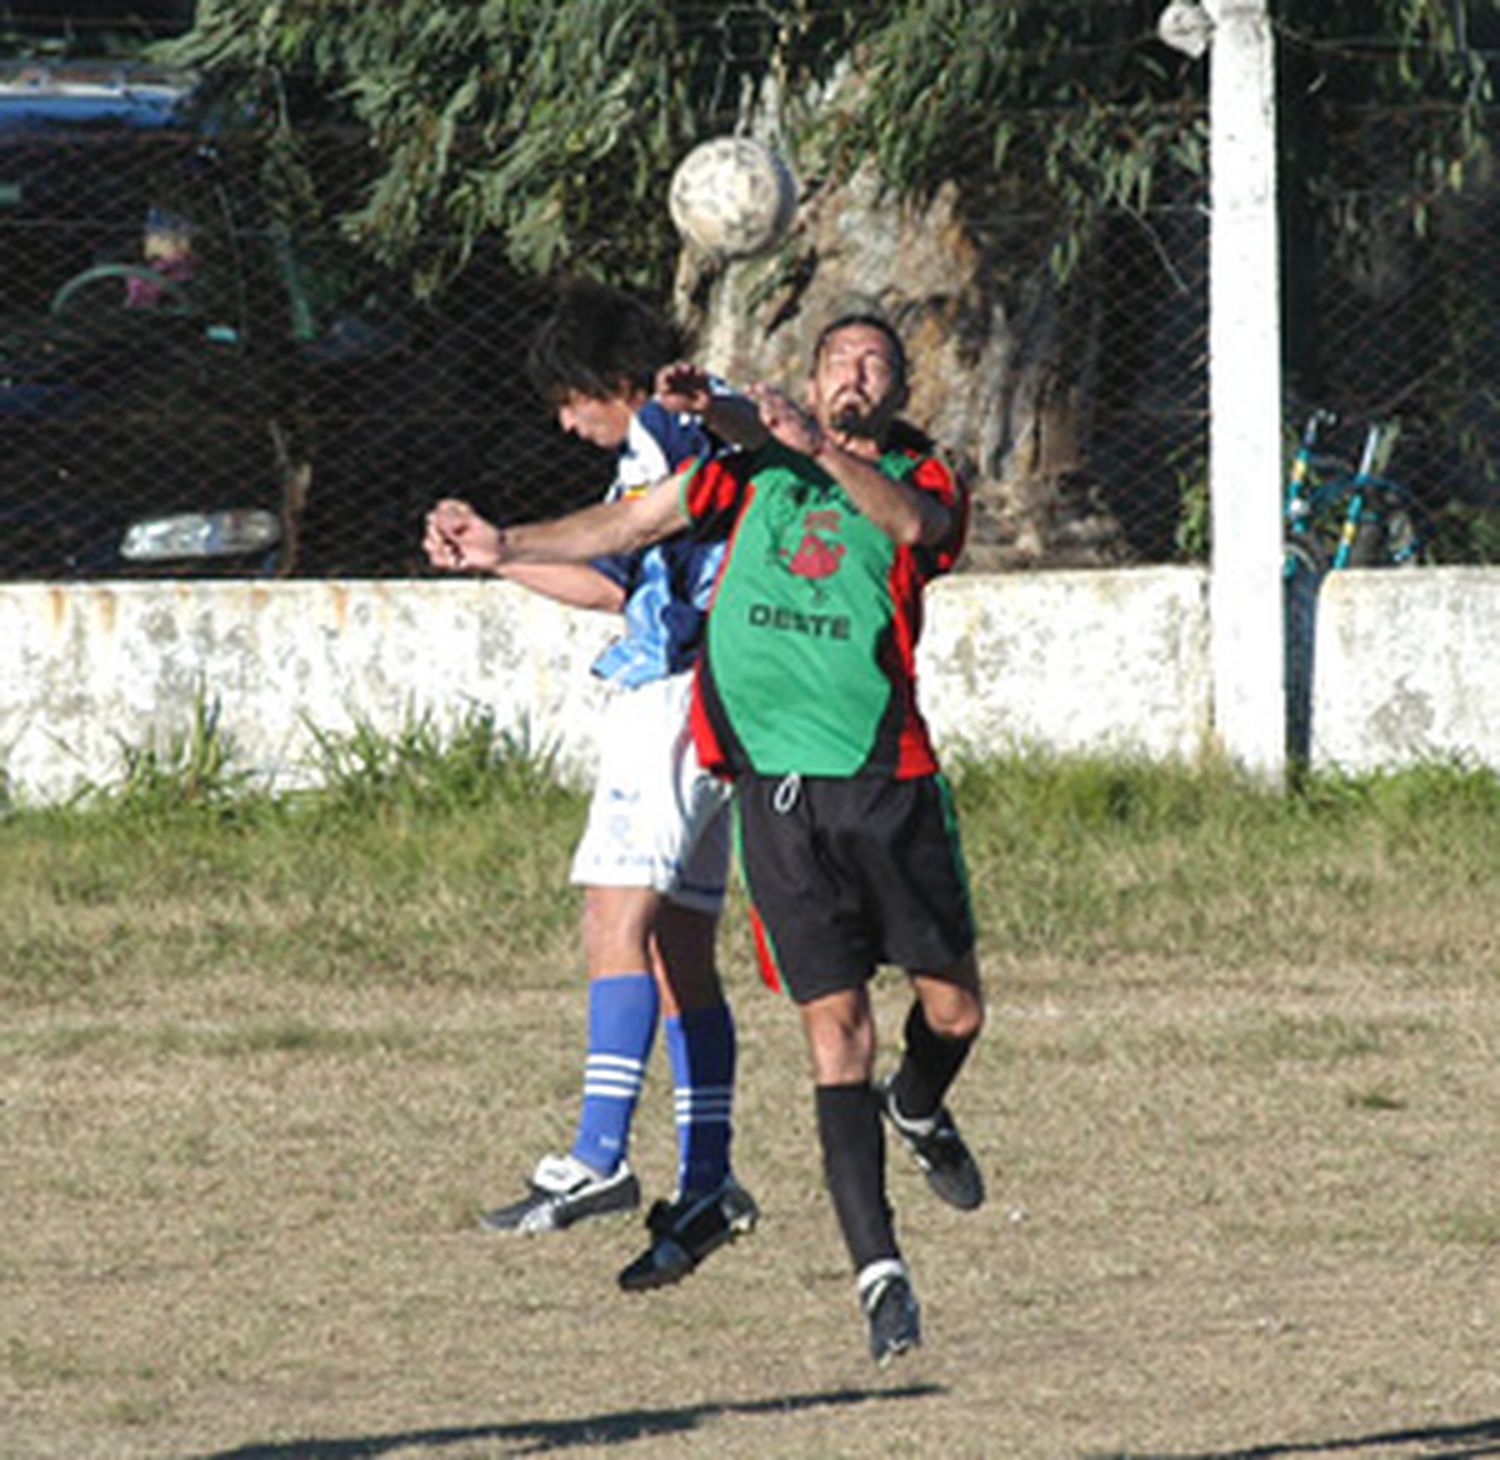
<point x="809" y="662"/>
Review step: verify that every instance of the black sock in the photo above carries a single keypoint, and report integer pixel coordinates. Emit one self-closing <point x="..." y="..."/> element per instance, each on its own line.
<point x="853" y="1144"/>
<point x="928" y="1067"/>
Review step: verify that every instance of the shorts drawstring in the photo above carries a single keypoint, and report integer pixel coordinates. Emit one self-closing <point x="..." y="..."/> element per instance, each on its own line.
<point x="784" y="798"/>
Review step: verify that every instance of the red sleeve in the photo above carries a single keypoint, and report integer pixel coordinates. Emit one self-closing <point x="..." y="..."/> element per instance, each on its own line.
<point x="712" y="493"/>
<point x="930" y="475"/>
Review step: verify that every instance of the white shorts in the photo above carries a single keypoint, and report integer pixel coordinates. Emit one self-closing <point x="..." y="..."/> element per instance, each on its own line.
<point x="656" y="818"/>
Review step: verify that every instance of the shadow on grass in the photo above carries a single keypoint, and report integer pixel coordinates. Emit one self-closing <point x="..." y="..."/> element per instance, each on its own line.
<point x="538" y="1437"/>
<point x="1438" y="1442"/>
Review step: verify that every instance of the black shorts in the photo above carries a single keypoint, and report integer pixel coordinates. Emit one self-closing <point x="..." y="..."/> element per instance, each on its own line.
<point x="845" y="875"/>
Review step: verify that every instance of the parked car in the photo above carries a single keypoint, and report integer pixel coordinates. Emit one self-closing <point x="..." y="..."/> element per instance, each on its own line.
<point x="188" y="389"/>
<point x="148" y="310"/>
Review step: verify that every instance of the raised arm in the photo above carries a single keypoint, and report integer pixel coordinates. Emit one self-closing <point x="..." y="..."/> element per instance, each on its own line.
<point x="907" y="516"/>
<point x="458" y="538"/>
<point x="683" y="386"/>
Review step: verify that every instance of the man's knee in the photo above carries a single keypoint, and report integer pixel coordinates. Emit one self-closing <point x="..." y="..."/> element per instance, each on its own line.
<point x="952" y="1002"/>
<point x="958" y="1019"/>
<point x="617" y="924"/>
<point x="840" y="1038"/>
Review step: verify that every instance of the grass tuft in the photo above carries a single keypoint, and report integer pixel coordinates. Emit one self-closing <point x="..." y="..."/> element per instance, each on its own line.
<point x="423" y="770"/>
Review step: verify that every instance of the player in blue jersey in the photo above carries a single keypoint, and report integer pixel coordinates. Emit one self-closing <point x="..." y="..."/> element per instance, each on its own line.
<point x="654" y="854"/>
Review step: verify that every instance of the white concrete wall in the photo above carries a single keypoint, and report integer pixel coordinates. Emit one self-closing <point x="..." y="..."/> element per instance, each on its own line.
<point x="1089" y="662"/>
<point x="1074" y="662"/>
<point x="1407" y="668"/>
<point x="87" y="670"/>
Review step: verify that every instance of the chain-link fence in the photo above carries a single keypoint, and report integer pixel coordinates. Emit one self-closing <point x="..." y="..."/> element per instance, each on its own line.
<point x="190" y="387"/>
<point x="1390" y="310"/>
<point x="200" y="376"/>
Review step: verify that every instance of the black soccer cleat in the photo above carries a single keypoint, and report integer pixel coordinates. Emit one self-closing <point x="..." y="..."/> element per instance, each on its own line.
<point x="687" y="1230"/>
<point x="891" y="1310"/>
<point x="938" y="1149"/>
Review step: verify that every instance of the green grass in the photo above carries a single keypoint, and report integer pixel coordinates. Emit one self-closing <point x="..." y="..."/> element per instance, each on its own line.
<point x="182" y="868"/>
<point x="1104" y="860"/>
<point x="420" y="851"/>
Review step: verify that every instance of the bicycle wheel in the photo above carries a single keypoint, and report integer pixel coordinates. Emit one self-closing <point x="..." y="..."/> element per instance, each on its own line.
<point x="1302" y="557"/>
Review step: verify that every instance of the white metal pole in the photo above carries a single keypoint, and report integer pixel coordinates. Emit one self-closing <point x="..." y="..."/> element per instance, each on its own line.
<point x="1245" y="604"/>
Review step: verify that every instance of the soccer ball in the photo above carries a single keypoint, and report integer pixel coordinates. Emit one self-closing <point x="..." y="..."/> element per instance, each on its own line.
<point x="732" y="197"/>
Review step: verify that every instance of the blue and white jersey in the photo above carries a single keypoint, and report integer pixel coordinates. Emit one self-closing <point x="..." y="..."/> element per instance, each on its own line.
<point x="667" y="586"/>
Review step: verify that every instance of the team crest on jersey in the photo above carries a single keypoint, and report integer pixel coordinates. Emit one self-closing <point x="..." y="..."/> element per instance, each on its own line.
<point x="810" y="548"/>
<point x="817" y="556"/>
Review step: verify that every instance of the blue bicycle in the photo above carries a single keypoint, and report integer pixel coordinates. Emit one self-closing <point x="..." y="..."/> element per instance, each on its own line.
<point x="1336" y="516"/>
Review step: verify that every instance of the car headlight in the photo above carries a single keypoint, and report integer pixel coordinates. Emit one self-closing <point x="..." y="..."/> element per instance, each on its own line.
<point x="234" y="533"/>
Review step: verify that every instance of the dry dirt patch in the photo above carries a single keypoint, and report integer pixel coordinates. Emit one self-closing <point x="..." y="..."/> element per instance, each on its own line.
<point x="1230" y="1216"/>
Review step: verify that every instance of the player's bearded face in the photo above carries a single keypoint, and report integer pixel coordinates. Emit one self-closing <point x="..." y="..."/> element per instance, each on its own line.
<point x="857" y="384"/>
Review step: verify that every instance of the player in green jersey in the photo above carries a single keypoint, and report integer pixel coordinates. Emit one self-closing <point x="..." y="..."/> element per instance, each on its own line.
<point x="805" y="696"/>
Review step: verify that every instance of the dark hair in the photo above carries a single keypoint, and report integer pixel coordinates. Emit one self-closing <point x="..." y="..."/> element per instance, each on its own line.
<point x="598" y="341"/>
<point x="869" y="321"/>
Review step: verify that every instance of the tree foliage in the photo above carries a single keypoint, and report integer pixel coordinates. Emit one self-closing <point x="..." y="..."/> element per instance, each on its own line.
<point x="553" y="124"/>
<point x="1080" y="104"/>
<point x="550" y="123"/>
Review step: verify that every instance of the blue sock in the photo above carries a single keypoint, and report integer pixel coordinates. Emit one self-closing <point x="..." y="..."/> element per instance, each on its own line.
<point x="622" y="1023"/>
<point x="702" y="1048"/>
